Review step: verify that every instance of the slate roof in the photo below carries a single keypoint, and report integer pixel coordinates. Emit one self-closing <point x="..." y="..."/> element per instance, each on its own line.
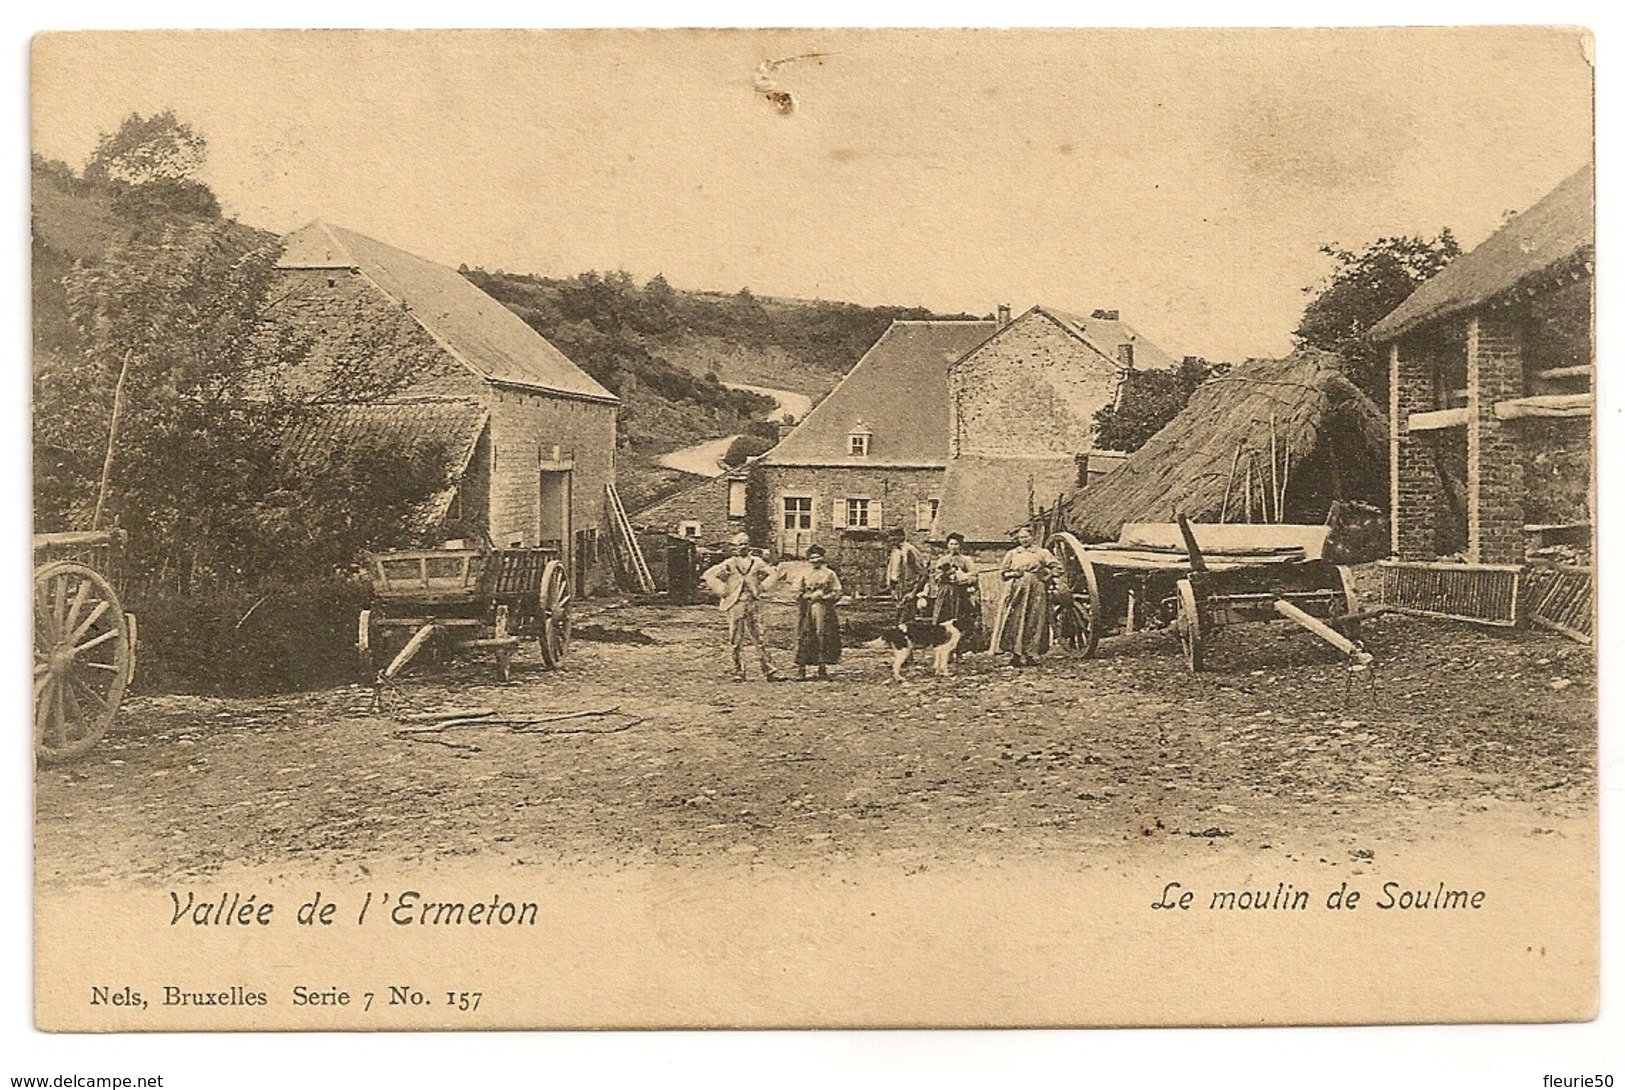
<point x="1105" y="334"/>
<point x="451" y="426"/>
<point x="478" y="331"/>
<point x="898" y="391"/>
<point x="1558" y="233"/>
<point x="985" y="497"/>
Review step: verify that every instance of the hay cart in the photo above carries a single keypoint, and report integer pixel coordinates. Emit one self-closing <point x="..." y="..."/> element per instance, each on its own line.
<point x="84" y="642"/>
<point x="1156" y="575"/>
<point x="479" y="598"/>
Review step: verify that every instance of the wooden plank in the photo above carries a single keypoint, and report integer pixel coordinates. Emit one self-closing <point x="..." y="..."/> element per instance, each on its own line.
<point x="1438" y="420"/>
<point x="1545" y="406"/>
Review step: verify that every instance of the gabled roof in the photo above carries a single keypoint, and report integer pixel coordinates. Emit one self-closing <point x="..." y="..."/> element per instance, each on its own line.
<point x="898" y="391"/>
<point x="1556" y="234"/>
<point x="985" y="497"/>
<point x="481" y="333"/>
<point x="449" y="427"/>
<point x="1100" y="335"/>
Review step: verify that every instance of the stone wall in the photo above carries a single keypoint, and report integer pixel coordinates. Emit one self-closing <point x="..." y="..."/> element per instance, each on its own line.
<point x="1033" y="389"/>
<point x="895" y="490"/>
<point x="1494" y="458"/>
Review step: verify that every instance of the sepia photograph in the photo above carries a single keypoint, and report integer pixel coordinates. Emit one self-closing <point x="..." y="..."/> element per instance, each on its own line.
<point x="829" y="528"/>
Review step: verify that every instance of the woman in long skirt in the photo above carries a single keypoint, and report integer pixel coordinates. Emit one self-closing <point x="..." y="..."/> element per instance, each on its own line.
<point x="818" y="628"/>
<point x="1024" y="616"/>
<point x="953" y="592"/>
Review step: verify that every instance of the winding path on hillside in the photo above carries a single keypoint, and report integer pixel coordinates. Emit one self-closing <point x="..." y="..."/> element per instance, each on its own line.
<point x="705" y="459"/>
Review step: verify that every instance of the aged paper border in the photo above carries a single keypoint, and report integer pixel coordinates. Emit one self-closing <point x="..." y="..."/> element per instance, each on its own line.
<point x="1608" y="406"/>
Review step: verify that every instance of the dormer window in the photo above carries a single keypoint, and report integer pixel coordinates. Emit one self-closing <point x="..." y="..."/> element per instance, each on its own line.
<point x="859" y="441"/>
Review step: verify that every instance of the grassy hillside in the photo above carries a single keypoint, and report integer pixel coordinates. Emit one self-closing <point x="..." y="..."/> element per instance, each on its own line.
<point x="667" y="353"/>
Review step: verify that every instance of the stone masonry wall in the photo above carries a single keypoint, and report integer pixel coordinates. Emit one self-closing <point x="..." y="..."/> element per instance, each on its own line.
<point x="1032" y="389"/>
<point x="896" y="490"/>
<point x="1495" y="463"/>
<point x="526" y="426"/>
<point x="1414" y="491"/>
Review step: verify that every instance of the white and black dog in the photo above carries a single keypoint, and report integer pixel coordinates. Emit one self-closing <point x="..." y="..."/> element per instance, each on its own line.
<point x="904" y="638"/>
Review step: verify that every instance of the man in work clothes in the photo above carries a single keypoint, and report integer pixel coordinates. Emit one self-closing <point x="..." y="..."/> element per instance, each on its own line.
<point x="738" y="583"/>
<point x="905" y="574"/>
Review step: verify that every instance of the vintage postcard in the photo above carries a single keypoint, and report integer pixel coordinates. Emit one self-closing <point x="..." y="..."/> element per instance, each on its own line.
<point x="816" y="528"/>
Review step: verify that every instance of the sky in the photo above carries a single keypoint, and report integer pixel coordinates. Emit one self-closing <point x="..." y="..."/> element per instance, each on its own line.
<point x="1187" y="178"/>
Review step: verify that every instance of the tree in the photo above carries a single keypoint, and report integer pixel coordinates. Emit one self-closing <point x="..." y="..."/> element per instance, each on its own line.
<point x="147" y="149"/>
<point x="1362" y="289"/>
<point x="149" y="167"/>
<point x="175" y="344"/>
<point x="1147" y="401"/>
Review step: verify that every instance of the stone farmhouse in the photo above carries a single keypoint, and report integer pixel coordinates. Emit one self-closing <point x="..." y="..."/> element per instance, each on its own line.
<point x="1021" y="411"/>
<point x="870" y="457"/>
<point x="405" y="342"/>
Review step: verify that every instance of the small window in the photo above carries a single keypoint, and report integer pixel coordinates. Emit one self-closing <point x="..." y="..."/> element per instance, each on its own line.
<point x="798" y="512"/>
<point x="857" y="513"/>
<point x="690" y="529"/>
<point x="925" y="513"/>
<point x="860" y="440"/>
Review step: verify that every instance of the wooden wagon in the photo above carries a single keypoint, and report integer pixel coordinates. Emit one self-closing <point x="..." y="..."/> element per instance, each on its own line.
<point x="84" y="642"/>
<point x="480" y="598"/>
<point x="1196" y="579"/>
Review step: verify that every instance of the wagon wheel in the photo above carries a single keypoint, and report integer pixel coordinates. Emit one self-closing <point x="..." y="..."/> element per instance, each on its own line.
<point x="1078" y="606"/>
<point x="81" y="659"/>
<point x="555" y="609"/>
<point x="1189" y="624"/>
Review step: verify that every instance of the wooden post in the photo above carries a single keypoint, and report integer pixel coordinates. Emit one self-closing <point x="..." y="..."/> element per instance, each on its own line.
<point x="1275" y="485"/>
<point x="112" y="440"/>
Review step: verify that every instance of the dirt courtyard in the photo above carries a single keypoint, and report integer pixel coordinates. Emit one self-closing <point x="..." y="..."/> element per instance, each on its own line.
<point x="1274" y="749"/>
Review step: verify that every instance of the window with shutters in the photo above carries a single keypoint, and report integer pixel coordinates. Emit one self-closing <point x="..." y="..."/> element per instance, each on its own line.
<point x="798" y="512"/>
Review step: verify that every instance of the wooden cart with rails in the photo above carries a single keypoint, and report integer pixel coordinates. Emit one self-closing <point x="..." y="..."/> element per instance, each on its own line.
<point x="1157" y="575"/>
<point x="480" y="598"/>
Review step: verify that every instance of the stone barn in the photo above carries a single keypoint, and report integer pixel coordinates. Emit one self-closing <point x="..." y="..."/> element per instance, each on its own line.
<point x="1491" y="420"/>
<point x="385" y="326"/>
<point x="1021" y="416"/>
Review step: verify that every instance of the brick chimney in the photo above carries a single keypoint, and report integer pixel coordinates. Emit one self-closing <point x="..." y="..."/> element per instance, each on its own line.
<point x="1003" y="318"/>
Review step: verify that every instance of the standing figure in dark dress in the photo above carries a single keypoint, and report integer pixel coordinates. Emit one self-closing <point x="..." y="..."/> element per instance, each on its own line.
<point x="954" y="594"/>
<point x="818" y="629"/>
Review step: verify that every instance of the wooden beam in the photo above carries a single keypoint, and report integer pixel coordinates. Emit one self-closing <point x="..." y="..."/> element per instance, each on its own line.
<point x="1546" y="405"/>
<point x="1582" y="371"/>
<point x="1437" y="420"/>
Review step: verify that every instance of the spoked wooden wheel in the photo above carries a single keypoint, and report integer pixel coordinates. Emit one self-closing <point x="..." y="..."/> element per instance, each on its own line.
<point x="555" y="604"/>
<point x="81" y="659"/>
<point x="1189" y="624"/>
<point x="1078" y="604"/>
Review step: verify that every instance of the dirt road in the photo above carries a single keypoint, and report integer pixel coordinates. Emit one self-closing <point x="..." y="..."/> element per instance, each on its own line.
<point x="1273" y="750"/>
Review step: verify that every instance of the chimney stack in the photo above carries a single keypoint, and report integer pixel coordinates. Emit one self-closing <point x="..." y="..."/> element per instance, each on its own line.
<point x="1004" y="316"/>
<point x="1105" y="315"/>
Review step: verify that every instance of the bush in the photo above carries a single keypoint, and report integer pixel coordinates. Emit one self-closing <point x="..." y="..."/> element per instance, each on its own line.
<point x="248" y="641"/>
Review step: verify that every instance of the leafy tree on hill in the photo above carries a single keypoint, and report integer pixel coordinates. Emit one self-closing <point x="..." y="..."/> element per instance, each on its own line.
<point x="1362" y="289"/>
<point x="1148" y="400"/>
<point x="149" y="166"/>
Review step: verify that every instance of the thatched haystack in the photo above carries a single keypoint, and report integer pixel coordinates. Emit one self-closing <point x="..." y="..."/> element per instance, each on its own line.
<point x="1330" y="443"/>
